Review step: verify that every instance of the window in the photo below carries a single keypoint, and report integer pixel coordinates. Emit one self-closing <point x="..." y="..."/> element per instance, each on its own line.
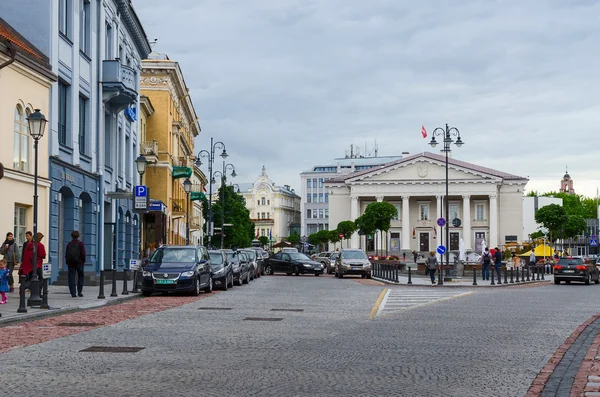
<point x="320" y="182"/>
<point x="308" y="182"/>
<point x="314" y="198"/>
<point x="268" y="215"/>
<point x="479" y="212"/>
<point x="397" y="217"/>
<point x="308" y="214"/>
<point x="107" y="140"/>
<point x="82" y="220"/>
<point x="321" y="213"/>
<point x="84" y="26"/>
<point x="20" y="221"/>
<point x="326" y="213"/>
<point x="263" y="201"/>
<point x="424" y="212"/>
<point x="308" y="196"/>
<point x="257" y="202"/>
<point x="63" y="101"/>
<point x="320" y="197"/>
<point x="314" y="183"/>
<point x="83" y="121"/>
<point x="64" y="23"/>
<point x="326" y="197"/>
<point x="262" y="215"/>
<point x="108" y="48"/>
<point x="120" y="158"/>
<point x="454" y="241"/>
<point x="268" y="202"/>
<point x="453" y="213"/>
<point x="21" y="140"/>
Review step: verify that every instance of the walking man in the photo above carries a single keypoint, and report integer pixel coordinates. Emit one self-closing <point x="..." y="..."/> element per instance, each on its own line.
<point x="486" y="260"/>
<point x="497" y="261"/>
<point x="75" y="259"/>
<point x="432" y="265"/>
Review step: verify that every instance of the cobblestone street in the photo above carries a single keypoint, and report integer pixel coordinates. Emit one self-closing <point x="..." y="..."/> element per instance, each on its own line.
<point x="323" y="339"/>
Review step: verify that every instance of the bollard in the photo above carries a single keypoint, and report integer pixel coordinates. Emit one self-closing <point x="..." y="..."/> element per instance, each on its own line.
<point x="523" y="271"/>
<point x="114" y="283"/>
<point x="397" y="280"/>
<point x="44" y="304"/>
<point x="543" y="276"/>
<point x="505" y="275"/>
<point x="409" y="276"/>
<point x="512" y="271"/>
<point x="135" y="282"/>
<point x="474" y="275"/>
<point x="22" y="306"/>
<point x="537" y="270"/>
<point x="101" y="292"/>
<point x="125" y="292"/>
<point x="527" y="273"/>
<point x="440" y="277"/>
<point x="493" y="271"/>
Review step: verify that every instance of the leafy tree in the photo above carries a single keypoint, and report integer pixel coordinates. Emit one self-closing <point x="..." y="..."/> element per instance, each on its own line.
<point x="264" y="240"/>
<point x="333" y="236"/>
<point x="553" y="217"/>
<point x="574" y="226"/>
<point x="536" y="235"/>
<point x="294" y="238"/>
<point x="319" y="238"/>
<point x="365" y="224"/>
<point x="347" y="228"/>
<point x="382" y="214"/>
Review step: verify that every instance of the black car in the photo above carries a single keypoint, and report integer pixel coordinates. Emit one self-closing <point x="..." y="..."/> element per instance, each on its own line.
<point x="240" y="268"/>
<point x="253" y="258"/>
<point x="175" y="268"/>
<point x="260" y="260"/>
<point x="292" y="263"/>
<point x="222" y="270"/>
<point x="575" y="269"/>
<point x="247" y="264"/>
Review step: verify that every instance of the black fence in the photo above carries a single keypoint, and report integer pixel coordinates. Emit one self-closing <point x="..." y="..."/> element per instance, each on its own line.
<point x="386" y="271"/>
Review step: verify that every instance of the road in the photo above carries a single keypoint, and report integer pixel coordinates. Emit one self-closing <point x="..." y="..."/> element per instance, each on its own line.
<point x="326" y="337"/>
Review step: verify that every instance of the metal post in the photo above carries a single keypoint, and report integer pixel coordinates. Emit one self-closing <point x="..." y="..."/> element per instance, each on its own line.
<point x="101" y="292"/>
<point x="537" y="270"/>
<point x="22" y="307"/>
<point x="397" y="280"/>
<point x="512" y="281"/>
<point x="474" y="275"/>
<point x="543" y="273"/>
<point x="187" y="218"/>
<point x="44" y="304"/>
<point x="409" y="275"/>
<point x="114" y="283"/>
<point x="505" y="275"/>
<point x="34" y="288"/>
<point x="440" y="277"/>
<point x="447" y="205"/>
<point x="125" y="279"/>
<point x="135" y="282"/>
<point x="493" y="271"/>
<point x="527" y="273"/>
<point x="518" y="275"/>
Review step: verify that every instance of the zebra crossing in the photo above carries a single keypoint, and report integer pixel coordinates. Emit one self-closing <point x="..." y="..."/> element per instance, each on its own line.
<point x="397" y="300"/>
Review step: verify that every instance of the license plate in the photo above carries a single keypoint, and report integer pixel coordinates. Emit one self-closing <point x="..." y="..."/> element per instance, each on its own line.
<point x="568" y="271"/>
<point x="165" y="281"/>
<point x="356" y="268"/>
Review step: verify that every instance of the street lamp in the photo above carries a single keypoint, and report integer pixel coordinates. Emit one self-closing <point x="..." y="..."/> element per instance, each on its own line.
<point x="447" y="134"/>
<point x="187" y="186"/>
<point x="140" y="162"/>
<point x="37" y="126"/>
<point x="235" y="186"/>
<point x="222" y="175"/>
<point x="210" y="155"/>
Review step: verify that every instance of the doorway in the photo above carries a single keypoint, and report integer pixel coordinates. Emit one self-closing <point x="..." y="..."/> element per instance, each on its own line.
<point x="479" y="239"/>
<point x="424" y="241"/>
<point x="454" y="241"/>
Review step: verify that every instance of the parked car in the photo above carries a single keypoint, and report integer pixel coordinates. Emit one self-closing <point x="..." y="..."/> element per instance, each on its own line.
<point x="332" y="258"/>
<point x="352" y="261"/>
<point x="323" y="257"/>
<point x="175" y="268"/>
<point x="222" y="270"/>
<point x="246" y="265"/>
<point x="575" y="269"/>
<point x="239" y="268"/>
<point x="255" y="273"/>
<point x="260" y="255"/>
<point x="292" y="263"/>
<point x="289" y="249"/>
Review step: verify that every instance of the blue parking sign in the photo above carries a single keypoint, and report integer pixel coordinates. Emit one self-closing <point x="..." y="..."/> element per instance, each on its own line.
<point x="141" y="191"/>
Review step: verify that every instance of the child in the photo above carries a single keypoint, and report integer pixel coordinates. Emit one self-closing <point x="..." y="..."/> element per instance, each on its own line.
<point x="4" y="287"/>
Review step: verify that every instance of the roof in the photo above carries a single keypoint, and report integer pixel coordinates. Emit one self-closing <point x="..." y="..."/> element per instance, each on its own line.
<point x="8" y="33"/>
<point x="357" y="161"/>
<point x="436" y="157"/>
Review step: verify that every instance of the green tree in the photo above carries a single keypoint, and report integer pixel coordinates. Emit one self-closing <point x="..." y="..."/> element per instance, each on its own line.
<point x="333" y="236"/>
<point x="319" y="238"/>
<point x="574" y="226"/>
<point x="294" y="238"/>
<point x="264" y="240"/>
<point x="365" y="224"/>
<point x="553" y="217"/>
<point x="382" y="214"/>
<point x="536" y="235"/>
<point x="347" y="228"/>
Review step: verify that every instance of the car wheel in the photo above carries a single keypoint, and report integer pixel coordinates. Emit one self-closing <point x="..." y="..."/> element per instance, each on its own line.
<point x="146" y="293"/>
<point x="246" y="280"/>
<point x="556" y="282"/>
<point x="369" y="275"/>
<point x="317" y="274"/>
<point x="296" y="270"/>
<point x="238" y="281"/>
<point x="225" y="286"/>
<point x="231" y="280"/>
<point x="597" y="281"/>
<point x="589" y="279"/>
<point x="269" y="270"/>
<point x="568" y="282"/>
<point x="289" y="274"/>
<point x="362" y="276"/>
<point x="340" y="275"/>
<point x="209" y="289"/>
<point x="196" y="290"/>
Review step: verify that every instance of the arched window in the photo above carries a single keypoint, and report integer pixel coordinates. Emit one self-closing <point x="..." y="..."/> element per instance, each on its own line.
<point x="21" y="140"/>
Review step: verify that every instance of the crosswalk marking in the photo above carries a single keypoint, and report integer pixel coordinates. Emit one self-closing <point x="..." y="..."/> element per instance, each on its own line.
<point x="398" y="300"/>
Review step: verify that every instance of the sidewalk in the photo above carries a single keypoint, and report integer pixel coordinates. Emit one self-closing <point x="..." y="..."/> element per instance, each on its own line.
<point x="60" y="301"/>
<point x="420" y="280"/>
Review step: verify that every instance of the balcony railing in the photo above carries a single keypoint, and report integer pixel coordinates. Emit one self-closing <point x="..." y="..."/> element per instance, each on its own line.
<point x="149" y="148"/>
<point x="119" y="83"/>
<point x="195" y="221"/>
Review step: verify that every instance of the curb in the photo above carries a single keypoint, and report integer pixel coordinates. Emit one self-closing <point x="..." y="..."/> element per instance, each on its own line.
<point x="447" y="284"/>
<point x="57" y="312"/>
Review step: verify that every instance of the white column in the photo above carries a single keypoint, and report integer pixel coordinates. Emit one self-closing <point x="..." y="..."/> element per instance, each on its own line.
<point x="405" y="244"/>
<point x="354" y="213"/>
<point x="493" y="221"/>
<point x="467" y="222"/>
<point x="380" y="236"/>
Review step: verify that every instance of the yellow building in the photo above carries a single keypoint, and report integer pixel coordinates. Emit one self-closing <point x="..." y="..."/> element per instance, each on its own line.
<point x="25" y="80"/>
<point x="168" y="133"/>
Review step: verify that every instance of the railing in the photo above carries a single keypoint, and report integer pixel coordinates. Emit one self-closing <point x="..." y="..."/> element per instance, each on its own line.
<point x="195" y="221"/>
<point x="149" y="148"/>
<point x="114" y="72"/>
<point x="386" y="271"/>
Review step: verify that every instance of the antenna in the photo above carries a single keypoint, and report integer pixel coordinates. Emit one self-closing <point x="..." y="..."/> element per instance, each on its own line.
<point x="376" y="149"/>
<point x="153" y="42"/>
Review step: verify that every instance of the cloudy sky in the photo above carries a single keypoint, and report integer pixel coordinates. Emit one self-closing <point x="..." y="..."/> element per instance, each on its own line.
<point x="291" y="83"/>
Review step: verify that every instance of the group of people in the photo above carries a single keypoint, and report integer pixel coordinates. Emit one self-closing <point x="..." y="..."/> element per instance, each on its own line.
<point x="74" y="258"/>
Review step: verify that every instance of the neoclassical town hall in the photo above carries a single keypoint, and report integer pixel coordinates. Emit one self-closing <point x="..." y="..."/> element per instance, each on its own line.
<point x="488" y="203"/>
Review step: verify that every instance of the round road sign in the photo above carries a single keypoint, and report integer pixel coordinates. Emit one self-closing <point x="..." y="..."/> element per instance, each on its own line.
<point x="441" y="222"/>
<point x="441" y="250"/>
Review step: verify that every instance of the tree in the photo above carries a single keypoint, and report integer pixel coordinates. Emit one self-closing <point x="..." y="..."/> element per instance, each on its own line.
<point x="333" y="236"/>
<point x="294" y="238"/>
<point x="552" y="217"/>
<point x="319" y="238"/>
<point x="264" y="240"/>
<point x="536" y="235"/>
<point x="347" y="228"/>
<point x="574" y="226"/>
<point x="380" y="216"/>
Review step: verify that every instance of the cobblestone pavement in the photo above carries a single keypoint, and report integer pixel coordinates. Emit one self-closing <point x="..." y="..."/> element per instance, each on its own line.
<point x="491" y="342"/>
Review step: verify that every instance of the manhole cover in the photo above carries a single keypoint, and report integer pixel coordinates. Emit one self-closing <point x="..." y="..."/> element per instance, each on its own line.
<point x="263" y="319"/>
<point x="215" y="308"/>
<point x="112" y="349"/>
<point x="287" y="310"/>
<point x="78" y="324"/>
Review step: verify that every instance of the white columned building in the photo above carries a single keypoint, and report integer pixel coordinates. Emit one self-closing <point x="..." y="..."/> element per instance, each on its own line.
<point x="488" y="203"/>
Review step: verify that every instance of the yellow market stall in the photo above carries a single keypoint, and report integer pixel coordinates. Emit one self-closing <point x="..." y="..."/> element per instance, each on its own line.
<point x="540" y="251"/>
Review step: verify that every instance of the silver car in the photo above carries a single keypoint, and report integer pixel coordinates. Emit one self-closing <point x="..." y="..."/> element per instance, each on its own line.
<point x="352" y="262"/>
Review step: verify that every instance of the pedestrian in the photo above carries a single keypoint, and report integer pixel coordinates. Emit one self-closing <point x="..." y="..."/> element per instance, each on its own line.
<point x="11" y="256"/>
<point x="432" y="264"/>
<point x="75" y="260"/>
<point x="27" y="262"/>
<point x="516" y="261"/>
<point x="532" y="257"/>
<point x="497" y="261"/>
<point x="415" y="255"/>
<point x="404" y="256"/>
<point x="485" y="260"/>
<point x="4" y="287"/>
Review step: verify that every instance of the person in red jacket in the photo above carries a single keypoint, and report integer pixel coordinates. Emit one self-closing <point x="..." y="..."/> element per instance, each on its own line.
<point x="27" y="261"/>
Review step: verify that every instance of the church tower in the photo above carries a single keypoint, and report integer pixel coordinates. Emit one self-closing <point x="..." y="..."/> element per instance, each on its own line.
<point x="566" y="184"/>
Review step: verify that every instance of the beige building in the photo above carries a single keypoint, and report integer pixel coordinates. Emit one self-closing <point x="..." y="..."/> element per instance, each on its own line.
<point x="488" y="203"/>
<point x="275" y="210"/>
<point x="25" y="81"/>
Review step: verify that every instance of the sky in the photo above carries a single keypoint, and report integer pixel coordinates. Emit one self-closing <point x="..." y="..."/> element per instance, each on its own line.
<point x="289" y="84"/>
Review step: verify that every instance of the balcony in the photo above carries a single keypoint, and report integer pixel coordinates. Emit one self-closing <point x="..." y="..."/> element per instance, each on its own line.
<point x="195" y="222"/>
<point x="150" y="151"/>
<point x="178" y="208"/>
<point x="118" y="84"/>
<point x="263" y="221"/>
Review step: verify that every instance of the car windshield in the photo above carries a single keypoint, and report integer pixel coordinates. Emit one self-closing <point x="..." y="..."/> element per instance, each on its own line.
<point x="174" y="255"/>
<point x="216" y="258"/>
<point x="251" y="254"/>
<point x="334" y="256"/>
<point x="353" y="255"/>
<point x="298" y="256"/>
<point x="570" y="261"/>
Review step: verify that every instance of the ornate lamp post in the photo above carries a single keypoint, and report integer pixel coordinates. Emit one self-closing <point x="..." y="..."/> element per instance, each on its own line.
<point x="222" y="175"/>
<point x="210" y="155"/>
<point x="236" y="186"/>
<point x="447" y="135"/>
<point x="37" y="126"/>
<point x="187" y="186"/>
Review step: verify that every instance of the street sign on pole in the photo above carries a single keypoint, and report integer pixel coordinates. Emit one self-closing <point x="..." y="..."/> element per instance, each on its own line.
<point x="456" y="222"/>
<point x="341" y="236"/>
<point x="593" y="242"/>
<point x="441" y="250"/>
<point x="441" y="222"/>
<point x="141" y="197"/>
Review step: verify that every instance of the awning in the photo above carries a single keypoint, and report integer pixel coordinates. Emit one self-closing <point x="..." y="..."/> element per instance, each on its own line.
<point x="540" y="251"/>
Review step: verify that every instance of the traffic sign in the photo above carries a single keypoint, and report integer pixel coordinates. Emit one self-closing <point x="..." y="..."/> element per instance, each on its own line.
<point x="341" y="236"/>
<point x="441" y="222"/>
<point x="593" y="242"/>
<point x="141" y="197"/>
<point x="456" y="222"/>
<point x="441" y="250"/>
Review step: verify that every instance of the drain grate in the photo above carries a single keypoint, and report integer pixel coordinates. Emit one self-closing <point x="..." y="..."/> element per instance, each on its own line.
<point x="287" y="310"/>
<point x="263" y="319"/>
<point x="112" y="349"/>
<point x="215" y="308"/>
<point x="79" y="324"/>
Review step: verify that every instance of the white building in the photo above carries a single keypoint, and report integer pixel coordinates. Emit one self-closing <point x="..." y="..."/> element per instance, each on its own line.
<point x="489" y="203"/>
<point x="530" y="207"/>
<point x="315" y="197"/>
<point x="275" y="210"/>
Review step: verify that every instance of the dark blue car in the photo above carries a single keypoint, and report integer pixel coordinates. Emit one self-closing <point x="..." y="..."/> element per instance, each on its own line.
<point x="174" y="268"/>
